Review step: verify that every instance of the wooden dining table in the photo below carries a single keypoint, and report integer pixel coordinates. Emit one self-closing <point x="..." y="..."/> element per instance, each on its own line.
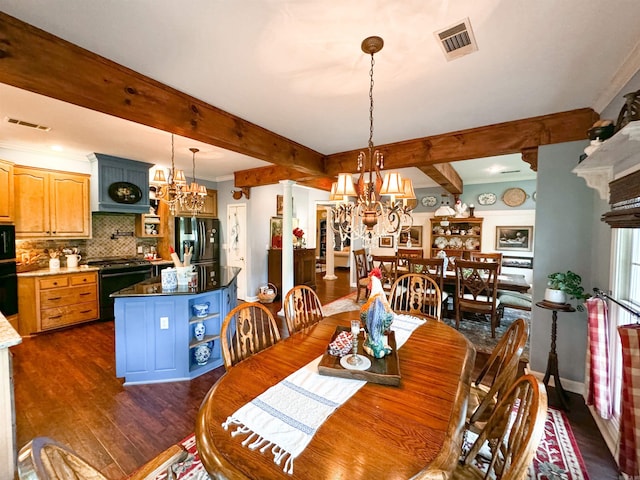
<point x="413" y="430"/>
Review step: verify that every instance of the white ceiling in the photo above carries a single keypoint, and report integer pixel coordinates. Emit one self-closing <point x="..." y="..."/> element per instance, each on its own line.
<point x="295" y="67"/>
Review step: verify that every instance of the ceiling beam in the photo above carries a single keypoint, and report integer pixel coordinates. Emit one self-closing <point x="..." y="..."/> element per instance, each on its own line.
<point x="446" y="176"/>
<point x="255" y="177"/>
<point x="498" y="139"/>
<point x="37" y="61"/>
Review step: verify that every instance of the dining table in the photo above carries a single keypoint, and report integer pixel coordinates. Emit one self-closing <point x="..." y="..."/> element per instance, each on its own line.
<point x="410" y="430"/>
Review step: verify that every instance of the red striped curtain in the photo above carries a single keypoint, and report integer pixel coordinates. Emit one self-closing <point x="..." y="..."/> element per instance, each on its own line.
<point x="630" y="409"/>
<point x="598" y="393"/>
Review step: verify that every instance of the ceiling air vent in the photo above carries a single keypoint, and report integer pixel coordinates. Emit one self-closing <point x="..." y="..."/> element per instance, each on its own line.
<point x="15" y="121"/>
<point x="457" y="40"/>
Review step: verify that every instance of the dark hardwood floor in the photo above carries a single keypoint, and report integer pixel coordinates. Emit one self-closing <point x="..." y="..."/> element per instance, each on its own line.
<point x="66" y="389"/>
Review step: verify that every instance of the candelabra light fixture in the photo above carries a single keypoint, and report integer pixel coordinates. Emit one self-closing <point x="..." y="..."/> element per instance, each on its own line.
<point x="382" y="206"/>
<point x="173" y="189"/>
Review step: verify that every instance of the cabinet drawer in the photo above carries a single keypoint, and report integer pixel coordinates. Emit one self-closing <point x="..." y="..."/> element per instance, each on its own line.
<point x="54" y="282"/>
<point x="68" y="314"/>
<point x="84" y="278"/>
<point x="68" y="296"/>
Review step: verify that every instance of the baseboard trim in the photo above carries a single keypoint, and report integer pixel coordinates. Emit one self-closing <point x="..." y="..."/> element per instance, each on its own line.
<point x="568" y="385"/>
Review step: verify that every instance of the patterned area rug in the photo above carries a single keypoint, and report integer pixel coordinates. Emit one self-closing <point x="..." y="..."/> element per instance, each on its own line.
<point x="557" y="456"/>
<point x="477" y="331"/>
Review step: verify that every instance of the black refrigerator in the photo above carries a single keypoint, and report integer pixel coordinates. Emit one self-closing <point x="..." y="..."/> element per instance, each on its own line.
<point x="201" y="236"/>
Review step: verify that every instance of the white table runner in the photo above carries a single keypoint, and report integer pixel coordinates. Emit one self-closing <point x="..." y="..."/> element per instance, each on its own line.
<point x="285" y="417"/>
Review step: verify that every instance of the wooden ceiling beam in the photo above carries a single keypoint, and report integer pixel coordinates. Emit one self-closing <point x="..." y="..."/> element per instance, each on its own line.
<point x="446" y="176"/>
<point x="498" y="139"/>
<point x="255" y="177"/>
<point x="37" y="61"/>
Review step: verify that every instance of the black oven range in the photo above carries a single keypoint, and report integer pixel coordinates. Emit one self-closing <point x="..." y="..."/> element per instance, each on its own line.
<point x="115" y="274"/>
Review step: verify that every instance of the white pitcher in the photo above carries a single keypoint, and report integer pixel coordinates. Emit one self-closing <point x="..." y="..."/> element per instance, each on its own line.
<point x="73" y="259"/>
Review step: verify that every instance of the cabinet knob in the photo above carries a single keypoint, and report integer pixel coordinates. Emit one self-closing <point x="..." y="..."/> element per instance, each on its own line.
<point x="55" y="283"/>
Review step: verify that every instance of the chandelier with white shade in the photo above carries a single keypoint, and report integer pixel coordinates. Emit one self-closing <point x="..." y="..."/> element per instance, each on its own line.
<point x="173" y="189"/>
<point x="378" y="206"/>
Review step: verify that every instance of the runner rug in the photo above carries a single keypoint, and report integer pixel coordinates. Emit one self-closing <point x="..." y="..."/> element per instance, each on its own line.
<point x="557" y="456"/>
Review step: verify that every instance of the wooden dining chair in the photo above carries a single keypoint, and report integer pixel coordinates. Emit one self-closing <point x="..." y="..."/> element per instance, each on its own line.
<point x="434" y="268"/>
<point x="362" y="272"/>
<point x="247" y="329"/>
<point x="506" y="445"/>
<point x="487" y="257"/>
<point x="405" y="255"/>
<point x="476" y="290"/>
<point x="45" y="459"/>
<point x="301" y="308"/>
<point x="497" y="374"/>
<point x="388" y="265"/>
<point x="416" y="294"/>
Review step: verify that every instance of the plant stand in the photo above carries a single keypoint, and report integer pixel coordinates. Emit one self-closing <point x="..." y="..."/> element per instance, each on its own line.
<point x="552" y="362"/>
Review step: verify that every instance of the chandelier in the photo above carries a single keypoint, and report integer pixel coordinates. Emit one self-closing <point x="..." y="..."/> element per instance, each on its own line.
<point x="381" y="205"/>
<point x="173" y="189"/>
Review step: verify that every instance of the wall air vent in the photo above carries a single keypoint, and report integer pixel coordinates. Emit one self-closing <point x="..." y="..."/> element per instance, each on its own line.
<point x="23" y="123"/>
<point x="457" y="40"/>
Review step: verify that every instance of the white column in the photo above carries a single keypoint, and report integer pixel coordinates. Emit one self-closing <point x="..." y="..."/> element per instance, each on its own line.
<point x="287" y="238"/>
<point x="329" y="252"/>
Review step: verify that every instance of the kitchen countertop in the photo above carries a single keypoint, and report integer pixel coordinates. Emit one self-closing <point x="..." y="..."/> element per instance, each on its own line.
<point x="60" y="271"/>
<point x="153" y="286"/>
<point x="8" y="336"/>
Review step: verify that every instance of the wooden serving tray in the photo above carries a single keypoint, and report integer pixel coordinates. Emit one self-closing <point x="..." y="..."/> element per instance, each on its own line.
<point x="385" y="371"/>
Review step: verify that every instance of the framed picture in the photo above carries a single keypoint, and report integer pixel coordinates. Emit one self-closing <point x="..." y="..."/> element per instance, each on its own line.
<point x="386" y="241"/>
<point x="517" y="262"/>
<point x="279" y="204"/>
<point x="514" y="238"/>
<point x="415" y="234"/>
<point x="275" y="227"/>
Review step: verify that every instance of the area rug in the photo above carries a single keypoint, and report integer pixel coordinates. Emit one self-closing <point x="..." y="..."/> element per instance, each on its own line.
<point x="477" y="331"/>
<point x="557" y="456"/>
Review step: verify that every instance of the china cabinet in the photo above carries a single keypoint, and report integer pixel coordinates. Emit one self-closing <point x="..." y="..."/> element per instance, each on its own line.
<point x="304" y="267"/>
<point x="51" y="204"/>
<point x="458" y="239"/>
<point x="6" y="192"/>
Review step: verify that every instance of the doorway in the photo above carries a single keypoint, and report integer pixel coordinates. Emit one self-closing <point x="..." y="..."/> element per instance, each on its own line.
<point x="237" y="245"/>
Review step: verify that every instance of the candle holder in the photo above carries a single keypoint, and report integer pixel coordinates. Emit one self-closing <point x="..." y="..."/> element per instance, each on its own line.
<point x="471" y="209"/>
<point x="353" y="361"/>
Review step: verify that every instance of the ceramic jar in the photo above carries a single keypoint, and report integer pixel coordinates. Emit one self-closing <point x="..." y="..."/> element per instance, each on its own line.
<point x="199" y="331"/>
<point x="169" y="279"/>
<point x="201" y="354"/>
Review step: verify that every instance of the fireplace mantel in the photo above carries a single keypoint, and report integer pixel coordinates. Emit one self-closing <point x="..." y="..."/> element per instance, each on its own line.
<point x="615" y="158"/>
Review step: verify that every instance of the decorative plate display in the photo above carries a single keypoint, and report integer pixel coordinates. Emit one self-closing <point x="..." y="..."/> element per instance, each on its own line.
<point x="441" y="242"/>
<point x="429" y="201"/>
<point x="455" y="242"/>
<point x="125" y="192"/>
<point x="471" y="243"/>
<point x="487" y="198"/>
<point x="514" y="197"/>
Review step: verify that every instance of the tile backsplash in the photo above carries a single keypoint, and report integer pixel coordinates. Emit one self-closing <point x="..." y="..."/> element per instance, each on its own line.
<point x="113" y="236"/>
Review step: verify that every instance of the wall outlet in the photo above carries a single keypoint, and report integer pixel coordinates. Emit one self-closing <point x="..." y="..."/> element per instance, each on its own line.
<point x="140" y="249"/>
<point x="164" y="323"/>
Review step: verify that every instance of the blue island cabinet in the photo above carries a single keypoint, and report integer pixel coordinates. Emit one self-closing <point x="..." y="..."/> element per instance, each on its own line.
<point x="156" y="340"/>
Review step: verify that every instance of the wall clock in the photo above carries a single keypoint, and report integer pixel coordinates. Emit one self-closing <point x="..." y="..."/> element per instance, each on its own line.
<point x="487" y="198"/>
<point x="429" y="201"/>
<point x="514" y="197"/>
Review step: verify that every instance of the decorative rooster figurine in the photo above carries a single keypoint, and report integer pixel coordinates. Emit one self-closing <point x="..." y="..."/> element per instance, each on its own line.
<point x="376" y="315"/>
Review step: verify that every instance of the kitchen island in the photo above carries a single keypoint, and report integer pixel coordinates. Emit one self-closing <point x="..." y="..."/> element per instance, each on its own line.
<point x="156" y="329"/>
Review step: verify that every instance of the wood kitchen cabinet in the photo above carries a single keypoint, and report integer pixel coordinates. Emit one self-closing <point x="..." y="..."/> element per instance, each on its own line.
<point x="304" y="267"/>
<point x="6" y="192"/>
<point x="54" y="301"/>
<point x="146" y="223"/>
<point x="51" y="204"/>
<point x="210" y="209"/>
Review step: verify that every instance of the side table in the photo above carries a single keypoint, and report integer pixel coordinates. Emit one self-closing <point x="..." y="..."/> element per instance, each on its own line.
<point x="552" y="362"/>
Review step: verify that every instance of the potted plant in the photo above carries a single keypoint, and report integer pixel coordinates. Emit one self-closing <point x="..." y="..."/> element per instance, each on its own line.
<point x="565" y="286"/>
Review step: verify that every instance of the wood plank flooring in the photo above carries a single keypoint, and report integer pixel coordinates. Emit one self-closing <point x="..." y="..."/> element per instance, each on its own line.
<point x="66" y="389"/>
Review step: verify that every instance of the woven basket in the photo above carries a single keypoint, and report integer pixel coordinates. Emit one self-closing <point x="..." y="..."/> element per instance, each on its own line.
<point x="268" y="297"/>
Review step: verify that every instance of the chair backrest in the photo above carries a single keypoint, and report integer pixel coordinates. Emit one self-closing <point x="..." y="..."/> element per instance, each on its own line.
<point x="362" y="263"/>
<point x="247" y="329"/>
<point x="514" y="431"/>
<point x="406" y="254"/>
<point x="487" y="257"/>
<point x="500" y="370"/>
<point x="416" y="294"/>
<point x="388" y="265"/>
<point x="433" y="267"/>
<point x="302" y="308"/>
<point x="476" y="283"/>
